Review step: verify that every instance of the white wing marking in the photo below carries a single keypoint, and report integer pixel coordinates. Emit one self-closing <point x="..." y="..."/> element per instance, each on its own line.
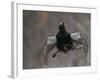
<point x="75" y="36"/>
<point x="51" y="40"/>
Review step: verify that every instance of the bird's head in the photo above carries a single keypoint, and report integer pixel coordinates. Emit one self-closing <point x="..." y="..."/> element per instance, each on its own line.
<point x="61" y="27"/>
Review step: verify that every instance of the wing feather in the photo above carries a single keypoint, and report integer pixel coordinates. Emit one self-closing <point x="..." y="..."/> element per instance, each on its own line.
<point x="49" y="45"/>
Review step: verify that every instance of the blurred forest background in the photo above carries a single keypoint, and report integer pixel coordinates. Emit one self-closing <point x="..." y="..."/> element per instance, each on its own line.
<point x="38" y="25"/>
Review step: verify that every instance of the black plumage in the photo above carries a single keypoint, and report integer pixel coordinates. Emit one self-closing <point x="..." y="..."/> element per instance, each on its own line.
<point x="64" y="40"/>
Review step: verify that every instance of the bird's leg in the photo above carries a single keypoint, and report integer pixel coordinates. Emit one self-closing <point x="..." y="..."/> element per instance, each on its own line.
<point x="55" y="53"/>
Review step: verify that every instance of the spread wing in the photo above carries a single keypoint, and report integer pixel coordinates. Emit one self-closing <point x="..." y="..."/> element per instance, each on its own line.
<point x="49" y="45"/>
<point x="77" y="36"/>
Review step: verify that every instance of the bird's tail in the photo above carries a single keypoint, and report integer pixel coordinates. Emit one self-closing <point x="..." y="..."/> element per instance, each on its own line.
<point x="55" y="53"/>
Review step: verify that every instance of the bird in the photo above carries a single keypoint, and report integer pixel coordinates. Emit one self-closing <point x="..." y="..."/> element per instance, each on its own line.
<point x="63" y="41"/>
